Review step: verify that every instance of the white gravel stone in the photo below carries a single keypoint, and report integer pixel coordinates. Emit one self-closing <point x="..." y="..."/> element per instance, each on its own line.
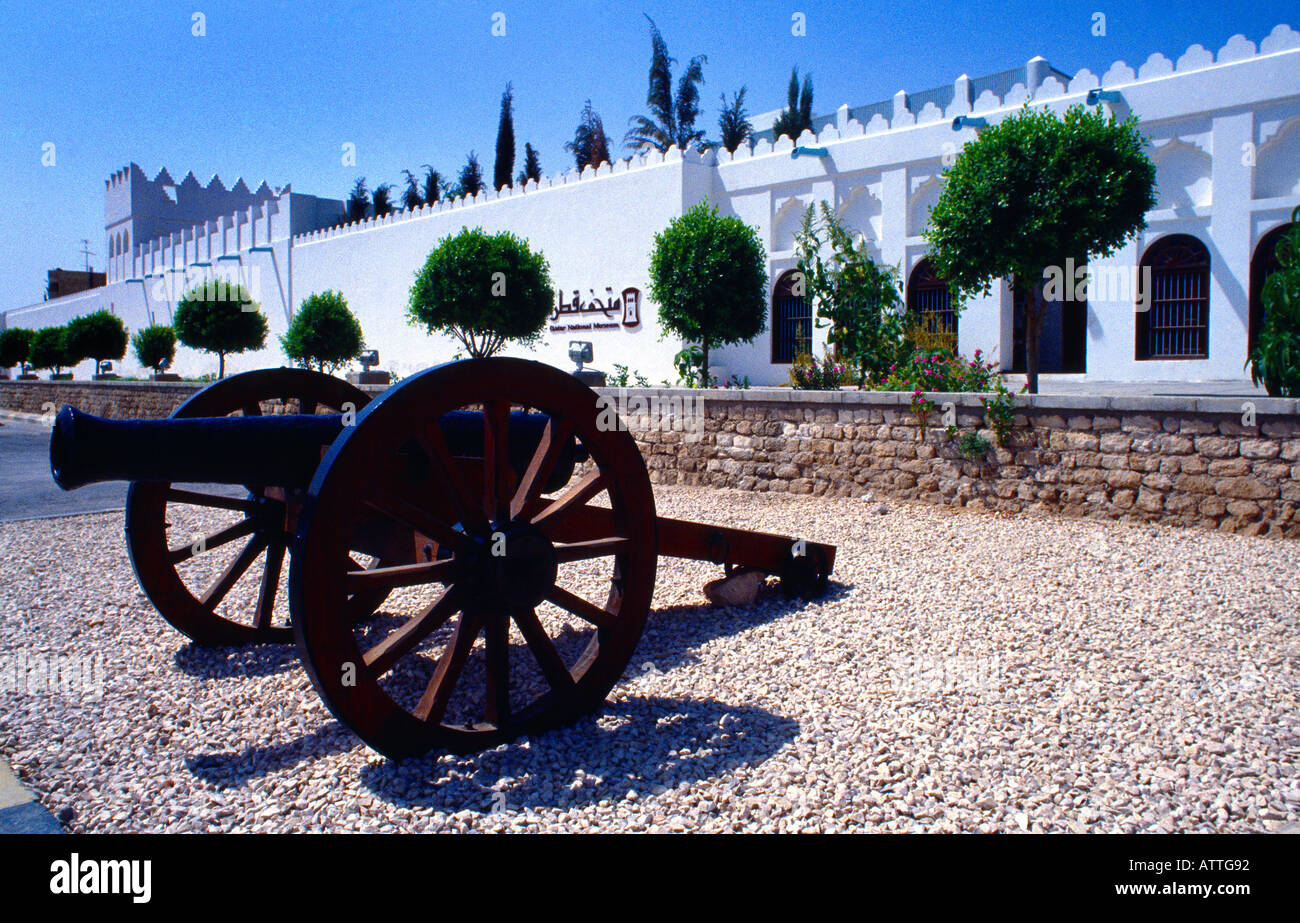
<point x="966" y="672"/>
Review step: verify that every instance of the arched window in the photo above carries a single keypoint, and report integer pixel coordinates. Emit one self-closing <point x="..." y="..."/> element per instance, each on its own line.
<point x="929" y="298"/>
<point x="791" y="320"/>
<point x="1262" y="265"/>
<point x="1173" y="304"/>
<point x="126" y="242"/>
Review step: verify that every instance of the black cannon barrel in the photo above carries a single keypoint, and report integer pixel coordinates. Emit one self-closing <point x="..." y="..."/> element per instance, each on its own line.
<point x="279" y="450"/>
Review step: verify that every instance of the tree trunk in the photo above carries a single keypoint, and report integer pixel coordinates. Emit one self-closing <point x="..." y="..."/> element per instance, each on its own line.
<point x="704" y="364"/>
<point x="221" y="365"/>
<point x="1033" y="330"/>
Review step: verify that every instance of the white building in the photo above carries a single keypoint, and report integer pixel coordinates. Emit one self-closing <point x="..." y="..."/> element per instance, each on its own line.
<point x="1224" y="132"/>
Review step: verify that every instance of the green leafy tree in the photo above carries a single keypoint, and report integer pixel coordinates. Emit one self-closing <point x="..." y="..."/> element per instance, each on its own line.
<point x="381" y="200"/>
<point x="358" y="205"/>
<point x="220" y="318"/>
<point x="15" y="344"/>
<point x="483" y="290"/>
<point x="434" y="187"/>
<point x="733" y="122"/>
<point x="532" y="171"/>
<point x="590" y="144"/>
<point x="48" y="350"/>
<point x="411" y="198"/>
<point x="100" y="336"/>
<point x="672" y="119"/>
<point x="1033" y="191"/>
<point x="155" y="347"/>
<point x="470" y="182"/>
<point x="324" y="333"/>
<point x="505" y="162"/>
<point x="708" y="275"/>
<point x="796" y="117"/>
<point x="1275" y="362"/>
<point x="858" y="298"/>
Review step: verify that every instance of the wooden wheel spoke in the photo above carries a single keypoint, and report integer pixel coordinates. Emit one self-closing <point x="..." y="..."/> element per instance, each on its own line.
<point x="539" y="469"/>
<point x="215" y="540"/>
<point x="580" y="607"/>
<point x="399" y="575"/>
<point x="544" y="652"/>
<point x="496" y="631"/>
<point x="448" y="471"/>
<point x="433" y="704"/>
<point x="592" y="548"/>
<point x="496" y="458"/>
<point x="195" y="498"/>
<point x="270" y="583"/>
<point x="380" y="658"/>
<point x="242" y="563"/>
<point x="387" y="503"/>
<point x="573" y="498"/>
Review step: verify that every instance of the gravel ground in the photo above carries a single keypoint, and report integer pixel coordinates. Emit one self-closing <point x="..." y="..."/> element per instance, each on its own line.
<point x="966" y="672"/>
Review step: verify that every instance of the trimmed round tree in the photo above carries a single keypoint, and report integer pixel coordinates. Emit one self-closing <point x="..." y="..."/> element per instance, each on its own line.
<point x="1034" y="191"/>
<point x="483" y="290"/>
<point x="220" y="319"/>
<point x="708" y="275"/>
<point x="1275" y="363"/>
<point x="100" y="336"/>
<point x="48" y="350"/>
<point x="155" y="347"/>
<point x="324" y="333"/>
<point x="15" y="344"/>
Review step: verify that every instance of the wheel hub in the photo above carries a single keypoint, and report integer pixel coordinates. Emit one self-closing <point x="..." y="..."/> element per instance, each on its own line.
<point x="512" y="567"/>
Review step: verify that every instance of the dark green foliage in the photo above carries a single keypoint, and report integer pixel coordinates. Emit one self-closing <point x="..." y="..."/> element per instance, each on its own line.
<point x="470" y="182"/>
<point x="411" y="198"/>
<point x="532" y="170"/>
<point x="1033" y="191"/>
<point x="1275" y="363"/>
<point x="381" y="200"/>
<point x="590" y="145"/>
<point x="15" y="344"/>
<point x="48" y="350"/>
<point x="324" y="333"/>
<point x="861" y="300"/>
<point x="733" y="122"/>
<point x="155" y="346"/>
<point x="671" y="120"/>
<point x="98" y="336"/>
<point x="483" y="289"/>
<point x="358" y="203"/>
<point x="505" y="162"/>
<point x="433" y="185"/>
<point x="708" y="275"/>
<point x="220" y="318"/>
<point x="796" y="117"/>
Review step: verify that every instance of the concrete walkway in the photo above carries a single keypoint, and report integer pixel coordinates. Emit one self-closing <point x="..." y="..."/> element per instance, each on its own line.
<point x="1080" y="384"/>
<point x="20" y="812"/>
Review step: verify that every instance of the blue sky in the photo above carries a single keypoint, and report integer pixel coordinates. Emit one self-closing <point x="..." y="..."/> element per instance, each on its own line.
<point x="274" y="90"/>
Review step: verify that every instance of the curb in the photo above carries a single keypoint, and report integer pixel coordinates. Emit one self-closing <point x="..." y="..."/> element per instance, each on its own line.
<point x="26" y="417"/>
<point x="20" y="812"/>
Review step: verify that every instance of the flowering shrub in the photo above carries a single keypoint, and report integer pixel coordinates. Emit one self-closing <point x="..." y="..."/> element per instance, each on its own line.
<point x="940" y="371"/>
<point x="810" y="374"/>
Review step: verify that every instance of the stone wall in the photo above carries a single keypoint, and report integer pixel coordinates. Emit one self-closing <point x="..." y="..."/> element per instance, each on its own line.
<point x="114" y="399"/>
<point x="1228" y="464"/>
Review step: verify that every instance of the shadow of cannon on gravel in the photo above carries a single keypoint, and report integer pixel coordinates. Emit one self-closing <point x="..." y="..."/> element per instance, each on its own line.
<point x="227" y="662"/>
<point x="640" y="743"/>
<point x="234" y="769"/>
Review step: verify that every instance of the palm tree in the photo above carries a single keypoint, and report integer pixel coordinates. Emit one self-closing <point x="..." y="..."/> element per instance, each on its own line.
<point x="505" y="162"/>
<point x="433" y="185"/>
<point x="381" y="199"/>
<point x="470" y="182"/>
<point x="532" y="170"/>
<point x="733" y="123"/>
<point x="671" y="121"/>
<point x="796" y="117"/>
<point x="411" y="198"/>
<point x="358" y="202"/>
<point x="590" y="144"/>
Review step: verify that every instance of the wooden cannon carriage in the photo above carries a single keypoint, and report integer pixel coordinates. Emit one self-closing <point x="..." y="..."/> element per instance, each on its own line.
<point x="485" y="494"/>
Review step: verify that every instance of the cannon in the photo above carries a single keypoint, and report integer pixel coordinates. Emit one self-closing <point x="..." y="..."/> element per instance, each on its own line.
<point x="490" y="501"/>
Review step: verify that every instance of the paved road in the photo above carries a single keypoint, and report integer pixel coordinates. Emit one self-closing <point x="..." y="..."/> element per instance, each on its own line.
<point x="27" y="491"/>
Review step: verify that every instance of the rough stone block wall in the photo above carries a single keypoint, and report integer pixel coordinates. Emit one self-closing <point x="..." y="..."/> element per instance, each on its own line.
<point x="116" y="400"/>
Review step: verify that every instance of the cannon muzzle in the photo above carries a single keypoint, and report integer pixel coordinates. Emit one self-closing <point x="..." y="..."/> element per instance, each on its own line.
<point x="275" y="451"/>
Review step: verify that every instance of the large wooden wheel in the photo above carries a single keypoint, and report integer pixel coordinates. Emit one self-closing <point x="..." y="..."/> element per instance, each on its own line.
<point x="182" y="538"/>
<point x="530" y="606"/>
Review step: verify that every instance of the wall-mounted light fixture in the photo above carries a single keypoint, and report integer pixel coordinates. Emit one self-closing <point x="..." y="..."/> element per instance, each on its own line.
<point x="968" y="121"/>
<point x="1103" y="96"/>
<point x="809" y="152"/>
